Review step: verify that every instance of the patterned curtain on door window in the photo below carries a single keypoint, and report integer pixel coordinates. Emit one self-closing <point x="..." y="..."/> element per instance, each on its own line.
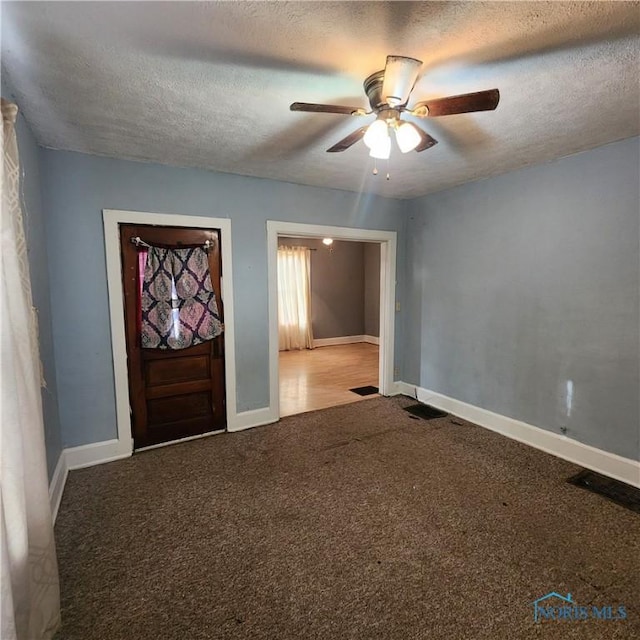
<point x="179" y="306"/>
<point x="197" y="308"/>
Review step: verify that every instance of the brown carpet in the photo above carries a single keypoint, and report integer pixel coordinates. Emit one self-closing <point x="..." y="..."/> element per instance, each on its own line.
<point x="354" y="522"/>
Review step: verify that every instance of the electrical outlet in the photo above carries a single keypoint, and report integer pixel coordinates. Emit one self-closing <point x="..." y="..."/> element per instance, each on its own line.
<point x="396" y="371"/>
<point x="397" y="306"/>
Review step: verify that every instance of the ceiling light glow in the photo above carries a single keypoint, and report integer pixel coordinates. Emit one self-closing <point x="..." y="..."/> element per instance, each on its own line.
<point x="327" y="241"/>
<point x="407" y="137"/>
<point x="376" y="135"/>
<point x="382" y="150"/>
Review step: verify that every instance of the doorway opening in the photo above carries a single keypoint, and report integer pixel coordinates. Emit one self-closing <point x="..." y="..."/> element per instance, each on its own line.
<point x="345" y="353"/>
<point x="328" y="322"/>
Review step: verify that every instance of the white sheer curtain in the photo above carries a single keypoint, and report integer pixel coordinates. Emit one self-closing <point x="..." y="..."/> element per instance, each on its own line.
<point x="294" y="298"/>
<point x="29" y="574"/>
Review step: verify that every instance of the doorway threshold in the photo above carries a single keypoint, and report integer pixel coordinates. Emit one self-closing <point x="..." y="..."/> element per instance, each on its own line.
<point x="187" y="439"/>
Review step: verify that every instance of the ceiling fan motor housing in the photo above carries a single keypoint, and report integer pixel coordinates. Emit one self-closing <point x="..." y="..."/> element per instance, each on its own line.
<point x="373" y="89"/>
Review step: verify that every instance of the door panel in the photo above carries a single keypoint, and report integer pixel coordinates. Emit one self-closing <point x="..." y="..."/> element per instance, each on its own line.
<point x="159" y="372"/>
<point x="167" y="409"/>
<point x="174" y="394"/>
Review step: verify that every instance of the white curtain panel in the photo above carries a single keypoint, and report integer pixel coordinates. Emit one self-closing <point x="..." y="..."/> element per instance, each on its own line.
<point x="29" y="573"/>
<point x="294" y="298"/>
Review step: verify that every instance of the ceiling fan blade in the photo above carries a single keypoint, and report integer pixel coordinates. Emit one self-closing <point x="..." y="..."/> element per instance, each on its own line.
<point x="350" y="140"/>
<point x="326" y="108"/>
<point x="465" y="103"/>
<point x="400" y="74"/>
<point x="426" y="141"/>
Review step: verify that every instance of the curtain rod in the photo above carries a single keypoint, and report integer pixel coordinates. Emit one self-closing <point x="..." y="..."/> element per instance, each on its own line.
<point x="139" y="242"/>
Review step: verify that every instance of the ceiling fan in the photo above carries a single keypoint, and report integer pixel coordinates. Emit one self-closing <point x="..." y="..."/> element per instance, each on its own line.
<point x="388" y="92"/>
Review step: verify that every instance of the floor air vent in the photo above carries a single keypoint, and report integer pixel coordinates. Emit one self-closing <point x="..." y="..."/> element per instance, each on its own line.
<point x="623" y="494"/>
<point x="365" y="391"/>
<point x="425" y="411"/>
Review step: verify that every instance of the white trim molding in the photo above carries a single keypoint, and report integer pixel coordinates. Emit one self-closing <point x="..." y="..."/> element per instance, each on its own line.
<point x="253" y="418"/>
<point x="88" y="455"/>
<point x="388" y="242"/>
<point x="332" y="342"/>
<point x="584" y="455"/>
<point x="112" y="220"/>
<point x="404" y="389"/>
<point x="57" y="483"/>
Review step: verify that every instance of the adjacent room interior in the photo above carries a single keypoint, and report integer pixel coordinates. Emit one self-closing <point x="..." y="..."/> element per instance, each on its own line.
<point x="174" y="465"/>
<point x="329" y="322"/>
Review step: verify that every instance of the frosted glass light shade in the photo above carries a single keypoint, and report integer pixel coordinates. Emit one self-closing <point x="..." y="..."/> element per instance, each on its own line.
<point x="375" y="135"/>
<point x="407" y="137"/>
<point x="382" y="150"/>
<point x="400" y="74"/>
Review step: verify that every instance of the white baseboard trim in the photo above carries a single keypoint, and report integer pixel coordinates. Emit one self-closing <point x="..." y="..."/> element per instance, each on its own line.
<point x="56" y="486"/>
<point x="88" y="455"/>
<point x="404" y="389"/>
<point x="331" y="342"/>
<point x="254" y="418"/>
<point x="608" y="464"/>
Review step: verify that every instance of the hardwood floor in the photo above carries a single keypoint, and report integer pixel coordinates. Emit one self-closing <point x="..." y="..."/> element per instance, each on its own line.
<point x="320" y="378"/>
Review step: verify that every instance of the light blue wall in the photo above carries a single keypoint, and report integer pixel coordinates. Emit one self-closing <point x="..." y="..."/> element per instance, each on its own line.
<point x="79" y="186"/>
<point x="34" y="223"/>
<point x="519" y="284"/>
<point x="510" y="287"/>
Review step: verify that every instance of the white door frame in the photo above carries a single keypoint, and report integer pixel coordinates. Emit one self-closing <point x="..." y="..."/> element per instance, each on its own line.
<point x="112" y="219"/>
<point x="387" y="241"/>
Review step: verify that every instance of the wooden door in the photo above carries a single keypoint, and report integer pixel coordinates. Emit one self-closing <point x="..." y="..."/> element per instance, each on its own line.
<point x="173" y="394"/>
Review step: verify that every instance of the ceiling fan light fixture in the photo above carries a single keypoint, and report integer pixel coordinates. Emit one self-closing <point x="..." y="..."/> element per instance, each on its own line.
<point x="382" y="149"/>
<point x="376" y="134"/>
<point x="407" y="137"/>
<point x="388" y="92"/>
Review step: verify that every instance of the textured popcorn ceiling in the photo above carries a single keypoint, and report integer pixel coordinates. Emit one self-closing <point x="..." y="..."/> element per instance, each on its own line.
<point x="209" y="84"/>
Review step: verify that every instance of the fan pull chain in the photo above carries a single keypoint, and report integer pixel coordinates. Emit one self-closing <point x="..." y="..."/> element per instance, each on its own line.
<point x="375" y="168"/>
